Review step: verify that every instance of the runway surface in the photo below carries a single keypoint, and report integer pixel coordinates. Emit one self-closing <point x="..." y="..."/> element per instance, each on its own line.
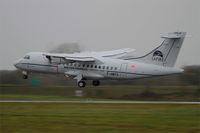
<point x="100" y="102"/>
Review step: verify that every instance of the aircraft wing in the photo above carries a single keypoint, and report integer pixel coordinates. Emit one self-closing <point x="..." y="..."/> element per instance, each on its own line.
<point x="115" y="53"/>
<point x="63" y="58"/>
<point x="87" y="56"/>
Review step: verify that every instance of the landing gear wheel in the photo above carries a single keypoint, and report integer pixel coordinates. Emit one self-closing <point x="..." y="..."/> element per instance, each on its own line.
<point x="96" y="82"/>
<point x="81" y="84"/>
<point x="25" y="76"/>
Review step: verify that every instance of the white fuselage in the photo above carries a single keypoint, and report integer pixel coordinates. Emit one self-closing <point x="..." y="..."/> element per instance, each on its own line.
<point x="108" y="68"/>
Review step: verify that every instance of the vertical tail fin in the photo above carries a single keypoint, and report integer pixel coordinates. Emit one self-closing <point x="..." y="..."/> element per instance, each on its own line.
<point x="166" y="54"/>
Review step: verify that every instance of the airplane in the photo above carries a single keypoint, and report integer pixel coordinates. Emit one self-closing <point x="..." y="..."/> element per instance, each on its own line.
<point x="115" y="64"/>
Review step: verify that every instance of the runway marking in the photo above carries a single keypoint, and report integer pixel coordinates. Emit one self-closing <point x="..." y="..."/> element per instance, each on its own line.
<point x="103" y="102"/>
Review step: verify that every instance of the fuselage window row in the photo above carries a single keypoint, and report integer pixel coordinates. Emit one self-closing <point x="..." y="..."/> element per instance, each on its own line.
<point x="91" y="66"/>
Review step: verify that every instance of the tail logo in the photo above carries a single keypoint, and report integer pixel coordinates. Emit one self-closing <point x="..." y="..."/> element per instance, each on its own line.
<point x="157" y="56"/>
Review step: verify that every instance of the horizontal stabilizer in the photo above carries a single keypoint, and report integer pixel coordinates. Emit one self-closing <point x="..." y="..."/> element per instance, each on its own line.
<point x="173" y="35"/>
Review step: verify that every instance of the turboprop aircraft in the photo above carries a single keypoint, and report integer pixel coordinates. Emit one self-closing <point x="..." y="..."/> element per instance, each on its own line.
<point x="104" y="65"/>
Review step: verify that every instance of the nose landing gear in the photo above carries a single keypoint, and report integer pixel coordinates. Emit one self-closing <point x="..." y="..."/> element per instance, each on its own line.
<point x="25" y="75"/>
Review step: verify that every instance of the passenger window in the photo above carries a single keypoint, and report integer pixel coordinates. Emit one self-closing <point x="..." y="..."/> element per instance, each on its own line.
<point x="107" y="67"/>
<point x="115" y="68"/>
<point x="103" y="67"/>
<point x="99" y="67"/>
<point x="111" y="68"/>
<point x="83" y="65"/>
<point x="87" y="65"/>
<point x="95" y="66"/>
<point x="91" y="66"/>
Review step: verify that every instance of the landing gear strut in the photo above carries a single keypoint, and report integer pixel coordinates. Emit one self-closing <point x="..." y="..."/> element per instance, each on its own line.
<point x="96" y="82"/>
<point x="81" y="84"/>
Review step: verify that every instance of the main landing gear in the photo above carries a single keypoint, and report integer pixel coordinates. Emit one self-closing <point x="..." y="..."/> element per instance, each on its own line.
<point x="81" y="84"/>
<point x="81" y="81"/>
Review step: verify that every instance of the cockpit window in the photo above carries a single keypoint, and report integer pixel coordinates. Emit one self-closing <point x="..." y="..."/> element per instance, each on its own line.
<point x="27" y="57"/>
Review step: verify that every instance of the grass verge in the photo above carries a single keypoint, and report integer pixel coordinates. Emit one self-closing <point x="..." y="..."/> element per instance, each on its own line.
<point x="98" y="118"/>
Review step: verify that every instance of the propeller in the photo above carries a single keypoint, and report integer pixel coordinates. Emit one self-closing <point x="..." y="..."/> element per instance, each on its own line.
<point x="66" y="48"/>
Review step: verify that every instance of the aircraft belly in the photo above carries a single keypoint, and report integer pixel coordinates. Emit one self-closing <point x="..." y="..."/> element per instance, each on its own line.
<point x="85" y="73"/>
<point x="94" y="76"/>
<point x="128" y="76"/>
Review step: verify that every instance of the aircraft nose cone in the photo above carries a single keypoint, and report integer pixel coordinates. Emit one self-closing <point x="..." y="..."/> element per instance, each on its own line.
<point x="16" y="63"/>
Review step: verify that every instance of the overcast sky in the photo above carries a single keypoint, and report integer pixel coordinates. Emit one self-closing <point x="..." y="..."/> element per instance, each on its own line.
<point x="39" y="25"/>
